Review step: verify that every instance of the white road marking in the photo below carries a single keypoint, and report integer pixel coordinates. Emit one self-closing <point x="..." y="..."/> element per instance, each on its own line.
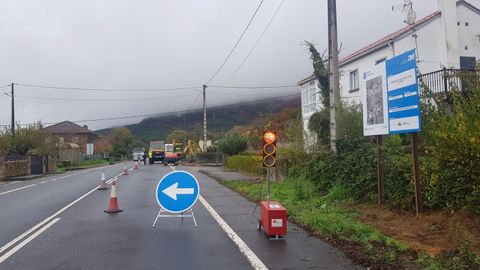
<point x="249" y="254"/>
<point x="54" y="179"/>
<point x="20" y="188"/>
<point x="40" y="224"/>
<point x="26" y="241"/>
<point x="43" y="182"/>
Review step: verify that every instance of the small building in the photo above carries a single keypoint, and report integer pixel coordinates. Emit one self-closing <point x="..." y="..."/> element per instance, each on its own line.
<point x="448" y="38"/>
<point x="70" y="136"/>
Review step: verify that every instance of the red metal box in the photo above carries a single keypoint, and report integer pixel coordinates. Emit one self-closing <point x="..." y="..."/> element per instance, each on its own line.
<point x="273" y="217"/>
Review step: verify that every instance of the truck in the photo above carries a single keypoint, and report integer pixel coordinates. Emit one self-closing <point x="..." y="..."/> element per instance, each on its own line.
<point x="156" y="151"/>
<point x="170" y="155"/>
<point x="173" y="153"/>
<point x="137" y="153"/>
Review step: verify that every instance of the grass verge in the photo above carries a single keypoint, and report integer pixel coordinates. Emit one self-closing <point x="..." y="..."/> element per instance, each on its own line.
<point x="333" y="218"/>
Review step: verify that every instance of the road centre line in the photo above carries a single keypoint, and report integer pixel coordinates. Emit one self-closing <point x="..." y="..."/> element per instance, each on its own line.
<point x="43" y="182"/>
<point x="20" y="188"/>
<point x="26" y="241"/>
<point x="48" y="219"/>
<point x="246" y="251"/>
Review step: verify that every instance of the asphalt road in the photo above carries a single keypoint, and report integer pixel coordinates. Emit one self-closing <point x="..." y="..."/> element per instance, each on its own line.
<point x="58" y="222"/>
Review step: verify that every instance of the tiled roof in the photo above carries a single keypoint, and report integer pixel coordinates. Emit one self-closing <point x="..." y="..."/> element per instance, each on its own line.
<point x="67" y="127"/>
<point x="387" y="39"/>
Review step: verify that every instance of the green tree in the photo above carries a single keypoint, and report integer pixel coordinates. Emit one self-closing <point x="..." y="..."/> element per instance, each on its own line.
<point x="178" y="135"/>
<point x="122" y="142"/>
<point x="30" y="139"/>
<point x="233" y="144"/>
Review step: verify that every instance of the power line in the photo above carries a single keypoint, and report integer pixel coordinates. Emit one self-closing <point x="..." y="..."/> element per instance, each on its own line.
<point x="106" y="90"/>
<point x="172" y="113"/>
<point x="99" y="100"/>
<point x="255" y="87"/>
<point x="236" y="44"/>
<point x="256" y="43"/>
<point x="7" y="85"/>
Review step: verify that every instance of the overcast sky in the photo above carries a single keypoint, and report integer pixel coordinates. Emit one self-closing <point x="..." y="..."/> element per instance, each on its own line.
<point x="125" y="44"/>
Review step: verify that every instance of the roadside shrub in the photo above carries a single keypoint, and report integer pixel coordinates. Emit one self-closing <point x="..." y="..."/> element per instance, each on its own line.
<point x="233" y="144"/>
<point x="246" y="164"/>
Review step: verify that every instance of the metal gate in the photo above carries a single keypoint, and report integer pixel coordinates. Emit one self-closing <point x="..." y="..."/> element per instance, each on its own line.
<point x="36" y="165"/>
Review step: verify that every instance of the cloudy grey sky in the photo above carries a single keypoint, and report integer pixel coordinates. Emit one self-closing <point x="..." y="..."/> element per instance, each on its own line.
<point x="151" y="44"/>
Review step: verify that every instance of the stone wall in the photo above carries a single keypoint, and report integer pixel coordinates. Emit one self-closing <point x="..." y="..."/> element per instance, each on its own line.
<point x="15" y="168"/>
<point x="1" y="166"/>
<point x="52" y="165"/>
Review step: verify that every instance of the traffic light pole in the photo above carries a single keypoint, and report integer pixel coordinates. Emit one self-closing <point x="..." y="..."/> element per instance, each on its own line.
<point x="268" y="184"/>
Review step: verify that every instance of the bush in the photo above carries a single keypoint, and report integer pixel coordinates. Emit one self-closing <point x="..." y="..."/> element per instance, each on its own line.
<point x="247" y="164"/>
<point x="233" y="144"/>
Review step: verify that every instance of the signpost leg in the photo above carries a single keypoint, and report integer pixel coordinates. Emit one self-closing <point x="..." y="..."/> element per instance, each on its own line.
<point x="416" y="175"/>
<point x="182" y="215"/>
<point x="380" y="183"/>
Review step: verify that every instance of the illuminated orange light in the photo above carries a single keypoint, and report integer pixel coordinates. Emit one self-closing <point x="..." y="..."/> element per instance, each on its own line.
<point x="269" y="137"/>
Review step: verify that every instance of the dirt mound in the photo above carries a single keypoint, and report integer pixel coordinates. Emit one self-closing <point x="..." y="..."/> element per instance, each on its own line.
<point x="434" y="232"/>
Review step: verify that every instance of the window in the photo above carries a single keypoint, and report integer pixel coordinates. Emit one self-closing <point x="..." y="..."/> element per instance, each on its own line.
<point x="309" y="96"/>
<point x="74" y="139"/>
<point x="354" y="85"/>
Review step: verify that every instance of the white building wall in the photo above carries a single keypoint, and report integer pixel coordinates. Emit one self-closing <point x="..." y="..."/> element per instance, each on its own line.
<point x="362" y="65"/>
<point x="468" y="35"/>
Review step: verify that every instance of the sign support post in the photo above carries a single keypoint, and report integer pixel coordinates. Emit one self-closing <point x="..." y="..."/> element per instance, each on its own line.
<point x="380" y="182"/>
<point x="416" y="175"/>
<point x="176" y="193"/>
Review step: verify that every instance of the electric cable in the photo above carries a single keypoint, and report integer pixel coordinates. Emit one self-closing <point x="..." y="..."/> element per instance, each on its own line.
<point x="255" y="87"/>
<point x="175" y="112"/>
<point x="99" y="100"/>
<point x="107" y="90"/>
<point x="236" y="44"/>
<point x="256" y="43"/>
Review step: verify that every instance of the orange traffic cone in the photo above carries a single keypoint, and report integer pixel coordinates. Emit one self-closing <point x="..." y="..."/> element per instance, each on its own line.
<point x="125" y="169"/>
<point x="135" y="167"/>
<point x="113" y="204"/>
<point x="103" y="183"/>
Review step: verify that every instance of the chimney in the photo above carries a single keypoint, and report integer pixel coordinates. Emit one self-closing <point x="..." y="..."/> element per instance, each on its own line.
<point x="448" y="8"/>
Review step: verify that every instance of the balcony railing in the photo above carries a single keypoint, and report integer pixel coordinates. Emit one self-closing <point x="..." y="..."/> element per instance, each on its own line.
<point x="443" y="81"/>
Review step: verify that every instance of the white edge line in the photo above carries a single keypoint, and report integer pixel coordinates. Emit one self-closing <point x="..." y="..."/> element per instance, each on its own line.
<point x="247" y="252"/>
<point x="20" y="188"/>
<point x="43" y="182"/>
<point x="26" y="241"/>
<point x="251" y="256"/>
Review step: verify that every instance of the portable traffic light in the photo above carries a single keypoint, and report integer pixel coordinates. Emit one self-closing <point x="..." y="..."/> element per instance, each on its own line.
<point x="269" y="149"/>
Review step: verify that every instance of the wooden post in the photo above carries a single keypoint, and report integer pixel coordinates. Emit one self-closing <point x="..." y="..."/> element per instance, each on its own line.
<point x="416" y="175"/>
<point x="380" y="183"/>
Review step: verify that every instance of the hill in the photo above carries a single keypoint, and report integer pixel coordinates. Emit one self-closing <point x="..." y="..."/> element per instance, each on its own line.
<point x="221" y="118"/>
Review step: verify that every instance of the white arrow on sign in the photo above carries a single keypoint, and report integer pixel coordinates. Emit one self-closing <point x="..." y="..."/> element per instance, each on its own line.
<point x="173" y="190"/>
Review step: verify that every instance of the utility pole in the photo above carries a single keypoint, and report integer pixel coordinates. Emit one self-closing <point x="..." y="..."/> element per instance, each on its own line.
<point x="204" y="118"/>
<point x="333" y="73"/>
<point x="13" y="109"/>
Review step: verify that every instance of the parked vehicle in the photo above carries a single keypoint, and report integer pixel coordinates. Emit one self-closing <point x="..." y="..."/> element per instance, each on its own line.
<point x="137" y="153"/>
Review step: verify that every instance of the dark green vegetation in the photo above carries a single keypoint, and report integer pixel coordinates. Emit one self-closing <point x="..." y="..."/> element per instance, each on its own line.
<point x="220" y="119"/>
<point x="233" y="144"/>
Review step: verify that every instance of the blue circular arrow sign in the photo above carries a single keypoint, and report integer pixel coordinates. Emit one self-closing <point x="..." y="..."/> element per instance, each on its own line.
<point x="177" y="191"/>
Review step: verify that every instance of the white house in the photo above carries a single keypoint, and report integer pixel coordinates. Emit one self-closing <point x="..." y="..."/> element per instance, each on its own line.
<point x="447" y="38"/>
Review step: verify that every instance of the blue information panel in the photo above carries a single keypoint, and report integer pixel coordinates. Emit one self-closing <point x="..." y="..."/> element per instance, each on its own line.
<point x="403" y="95"/>
<point x="177" y="191"/>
